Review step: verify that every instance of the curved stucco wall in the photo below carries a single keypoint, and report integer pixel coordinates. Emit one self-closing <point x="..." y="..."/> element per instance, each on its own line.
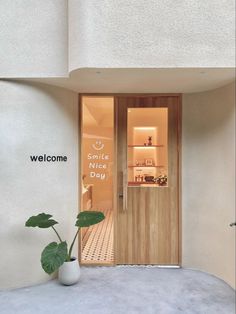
<point x="113" y="34"/>
<point x="208" y="166"/>
<point x="35" y="119"/>
<point x="133" y="34"/>
<point x="33" y="38"/>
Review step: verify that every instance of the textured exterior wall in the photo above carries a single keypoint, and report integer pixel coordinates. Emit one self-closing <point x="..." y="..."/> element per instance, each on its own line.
<point x="209" y="182"/>
<point x="35" y="119"/>
<point x="152" y="33"/>
<point x="33" y="38"/>
<point x="113" y="34"/>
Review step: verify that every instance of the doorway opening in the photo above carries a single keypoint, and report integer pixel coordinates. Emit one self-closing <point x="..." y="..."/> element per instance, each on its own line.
<point x="97" y="168"/>
<point x="130" y="170"/>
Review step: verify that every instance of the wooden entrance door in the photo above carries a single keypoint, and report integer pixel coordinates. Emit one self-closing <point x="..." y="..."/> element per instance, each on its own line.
<point x="147" y="222"/>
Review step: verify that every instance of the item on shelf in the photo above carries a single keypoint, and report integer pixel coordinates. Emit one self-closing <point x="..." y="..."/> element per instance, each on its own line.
<point x="149" y="140"/>
<point x="161" y="179"/>
<point x="148" y="162"/>
<point x="149" y="178"/>
<point x="144" y="169"/>
<point x="139" y="178"/>
<point x="138" y="163"/>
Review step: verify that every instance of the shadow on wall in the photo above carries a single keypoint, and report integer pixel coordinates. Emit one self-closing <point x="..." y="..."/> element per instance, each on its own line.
<point x="210" y="111"/>
<point x="208" y="193"/>
<point x="56" y="94"/>
<point x="35" y="119"/>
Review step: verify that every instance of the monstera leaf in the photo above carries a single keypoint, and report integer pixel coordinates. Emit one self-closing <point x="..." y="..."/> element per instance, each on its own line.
<point x="89" y="218"/>
<point x="53" y="256"/>
<point x="41" y="220"/>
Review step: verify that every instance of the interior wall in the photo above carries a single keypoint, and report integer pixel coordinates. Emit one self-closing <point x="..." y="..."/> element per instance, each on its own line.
<point x="154" y="117"/>
<point x="97" y="125"/>
<point x="35" y="119"/>
<point x="208" y="197"/>
<point x="102" y="191"/>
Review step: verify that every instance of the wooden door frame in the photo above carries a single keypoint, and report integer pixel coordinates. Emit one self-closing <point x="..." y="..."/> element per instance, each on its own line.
<point x="115" y="195"/>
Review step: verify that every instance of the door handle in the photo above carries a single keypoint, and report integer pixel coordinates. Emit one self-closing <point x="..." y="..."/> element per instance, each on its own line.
<point x="124" y="195"/>
<point x="120" y="195"/>
<point x="232" y="224"/>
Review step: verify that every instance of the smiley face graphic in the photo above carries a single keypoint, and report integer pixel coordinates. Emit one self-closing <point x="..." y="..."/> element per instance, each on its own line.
<point x="98" y="145"/>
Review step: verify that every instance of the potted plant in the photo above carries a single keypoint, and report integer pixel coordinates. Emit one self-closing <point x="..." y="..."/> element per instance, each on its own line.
<point x="57" y="256"/>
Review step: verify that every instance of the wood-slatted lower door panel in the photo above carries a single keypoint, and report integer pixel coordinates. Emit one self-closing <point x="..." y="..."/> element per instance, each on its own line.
<point x="147" y="232"/>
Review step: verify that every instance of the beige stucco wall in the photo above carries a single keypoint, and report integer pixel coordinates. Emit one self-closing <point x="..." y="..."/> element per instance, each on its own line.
<point x="151" y="34"/>
<point x="209" y="182"/>
<point x="35" y="119"/>
<point x="33" y="38"/>
<point x="38" y="38"/>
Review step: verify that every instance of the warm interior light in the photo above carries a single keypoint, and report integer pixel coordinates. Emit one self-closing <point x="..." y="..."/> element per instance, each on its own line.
<point x="146" y="167"/>
<point x="145" y="147"/>
<point x="144" y="128"/>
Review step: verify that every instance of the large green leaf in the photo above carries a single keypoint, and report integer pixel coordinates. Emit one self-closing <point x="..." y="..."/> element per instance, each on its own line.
<point x="41" y="220"/>
<point x="89" y="218"/>
<point x="53" y="256"/>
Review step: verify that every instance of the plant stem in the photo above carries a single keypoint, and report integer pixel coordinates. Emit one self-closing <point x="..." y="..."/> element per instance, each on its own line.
<point x="72" y="244"/>
<point x="57" y="234"/>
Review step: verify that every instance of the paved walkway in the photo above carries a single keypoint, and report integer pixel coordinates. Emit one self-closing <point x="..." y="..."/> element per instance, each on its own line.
<point x="125" y="290"/>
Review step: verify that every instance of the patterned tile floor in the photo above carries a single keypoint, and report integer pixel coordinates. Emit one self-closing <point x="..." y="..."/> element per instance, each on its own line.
<point x="97" y="243"/>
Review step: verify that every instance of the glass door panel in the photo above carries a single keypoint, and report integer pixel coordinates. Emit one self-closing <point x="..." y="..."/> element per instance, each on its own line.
<point x="97" y="160"/>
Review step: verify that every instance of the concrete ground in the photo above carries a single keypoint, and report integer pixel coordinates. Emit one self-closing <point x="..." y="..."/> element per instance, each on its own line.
<point x="125" y="290"/>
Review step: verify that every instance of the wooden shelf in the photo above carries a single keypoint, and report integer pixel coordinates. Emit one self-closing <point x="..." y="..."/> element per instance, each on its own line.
<point x="145" y="146"/>
<point x="145" y="166"/>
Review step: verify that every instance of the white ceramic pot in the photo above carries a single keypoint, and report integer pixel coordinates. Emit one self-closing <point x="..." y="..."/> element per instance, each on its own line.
<point x="69" y="272"/>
